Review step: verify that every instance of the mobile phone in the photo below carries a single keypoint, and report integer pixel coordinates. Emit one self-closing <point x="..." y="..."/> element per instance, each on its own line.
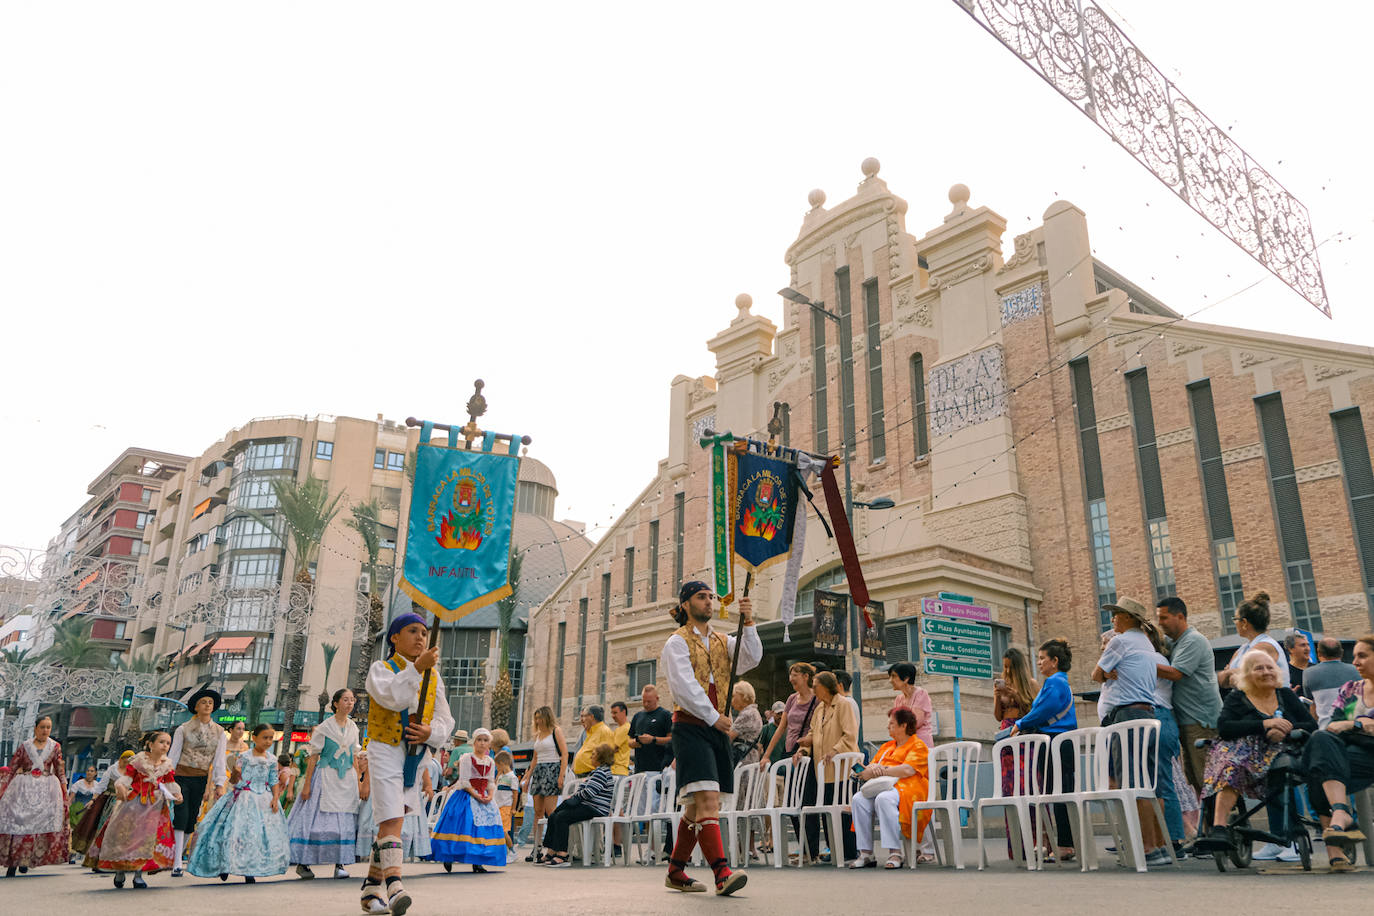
<point x="858" y="769"/>
<point x="999" y="683"/>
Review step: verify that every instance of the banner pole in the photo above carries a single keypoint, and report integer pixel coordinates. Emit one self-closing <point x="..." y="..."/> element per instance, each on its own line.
<point x="739" y="641"/>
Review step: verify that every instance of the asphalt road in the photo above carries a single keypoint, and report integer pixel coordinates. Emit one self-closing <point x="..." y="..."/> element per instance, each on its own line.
<point x="1195" y="886"/>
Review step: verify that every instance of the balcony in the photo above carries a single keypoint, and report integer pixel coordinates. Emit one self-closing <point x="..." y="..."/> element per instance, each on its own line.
<point x="162" y="552"/>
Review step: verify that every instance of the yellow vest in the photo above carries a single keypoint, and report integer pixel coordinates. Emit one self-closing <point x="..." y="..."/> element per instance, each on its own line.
<point x="386" y="725"/>
<point x="707" y="664"/>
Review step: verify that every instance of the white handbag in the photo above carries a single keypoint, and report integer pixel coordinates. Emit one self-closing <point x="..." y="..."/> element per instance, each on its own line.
<point x="876" y="786"/>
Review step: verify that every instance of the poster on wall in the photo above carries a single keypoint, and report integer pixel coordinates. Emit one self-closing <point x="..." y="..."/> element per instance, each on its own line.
<point x="828" y="623"/>
<point x="871" y="643"/>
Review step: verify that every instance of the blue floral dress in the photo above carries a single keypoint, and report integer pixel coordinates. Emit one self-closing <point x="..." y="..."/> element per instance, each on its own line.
<point x="241" y="834"/>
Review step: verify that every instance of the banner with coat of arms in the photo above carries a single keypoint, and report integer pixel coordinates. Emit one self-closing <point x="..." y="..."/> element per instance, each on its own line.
<point x="765" y="509"/>
<point x="462" y="509"/>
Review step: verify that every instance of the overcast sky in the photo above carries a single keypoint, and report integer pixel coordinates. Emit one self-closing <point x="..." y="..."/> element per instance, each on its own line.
<point x="213" y="212"/>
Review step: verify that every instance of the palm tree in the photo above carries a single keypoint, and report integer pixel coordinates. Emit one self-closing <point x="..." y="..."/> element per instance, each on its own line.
<point x="366" y="522"/>
<point x="503" y="696"/>
<point x="15" y="656"/>
<point x="72" y="647"/>
<point x="307" y="510"/>
<point x="253" y="694"/>
<point x="330" y="650"/>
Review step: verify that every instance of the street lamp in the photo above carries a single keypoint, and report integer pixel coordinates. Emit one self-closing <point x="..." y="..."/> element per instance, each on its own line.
<point x="847" y="432"/>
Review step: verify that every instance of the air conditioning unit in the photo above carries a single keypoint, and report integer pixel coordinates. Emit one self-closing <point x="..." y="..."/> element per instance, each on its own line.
<point x="364" y="584"/>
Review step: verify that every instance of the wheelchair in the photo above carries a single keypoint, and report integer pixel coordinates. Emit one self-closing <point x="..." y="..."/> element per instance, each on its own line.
<point x="1288" y="826"/>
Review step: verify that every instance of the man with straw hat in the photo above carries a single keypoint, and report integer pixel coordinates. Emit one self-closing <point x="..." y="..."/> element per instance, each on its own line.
<point x="696" y="661"/>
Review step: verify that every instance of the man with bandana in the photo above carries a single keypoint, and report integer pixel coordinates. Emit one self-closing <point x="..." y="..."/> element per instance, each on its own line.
<point x="397" y="717"/>
<point x="697" y="660"/>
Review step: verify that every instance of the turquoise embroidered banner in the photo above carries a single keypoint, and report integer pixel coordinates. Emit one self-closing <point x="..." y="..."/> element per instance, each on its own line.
<point x="458" y="540"/>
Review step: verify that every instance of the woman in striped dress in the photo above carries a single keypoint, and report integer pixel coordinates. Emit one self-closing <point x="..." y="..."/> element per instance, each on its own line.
<point x="324" y="820"/>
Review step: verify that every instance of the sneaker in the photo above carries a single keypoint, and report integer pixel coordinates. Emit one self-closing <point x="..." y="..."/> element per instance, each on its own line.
<point x="304" y="872"/>
<point x="1267" y="853"/>
<point x="1290" y="854"/>
<point x="511" y="857"/>
<point x="1157" y="858"/>
<point x="340" y="871"/>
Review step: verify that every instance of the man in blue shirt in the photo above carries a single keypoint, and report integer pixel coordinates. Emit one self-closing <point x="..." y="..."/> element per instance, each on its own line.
<point x="1130" y="660"/>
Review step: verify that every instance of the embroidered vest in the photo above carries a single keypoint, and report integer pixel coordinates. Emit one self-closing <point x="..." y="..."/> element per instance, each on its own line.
<point x="199" y="741"/>
<point x="388" y="725"/>
<point x="708" y="664"/>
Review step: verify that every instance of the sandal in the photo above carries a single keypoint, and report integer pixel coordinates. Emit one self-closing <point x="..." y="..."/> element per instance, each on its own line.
<point x="924" y="858"/>
<point x="895" y="861"/>
<point x="864" y="860"/>
<point x="1349" y="834"/>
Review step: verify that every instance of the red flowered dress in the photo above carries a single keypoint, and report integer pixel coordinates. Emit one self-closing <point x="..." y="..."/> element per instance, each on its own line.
<point x="33" y="822"/>
<point x="138" y="836"/>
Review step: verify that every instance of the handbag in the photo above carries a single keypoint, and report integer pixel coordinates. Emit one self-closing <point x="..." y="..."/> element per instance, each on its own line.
<point x="876" y="786"/>
<point x="811" y="708"/>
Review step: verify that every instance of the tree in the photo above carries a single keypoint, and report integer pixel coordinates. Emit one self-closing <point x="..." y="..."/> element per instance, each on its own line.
<point x="253" y="694"/>
<point x="503" y="696"/>
<point x="366" y="521"/>
<point x="307" y="509"/>
<point x="72" y="647"/>
<point x="330" y="650"/>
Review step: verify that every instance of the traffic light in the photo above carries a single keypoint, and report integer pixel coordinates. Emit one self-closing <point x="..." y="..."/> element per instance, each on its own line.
<point x="128" y="699"/>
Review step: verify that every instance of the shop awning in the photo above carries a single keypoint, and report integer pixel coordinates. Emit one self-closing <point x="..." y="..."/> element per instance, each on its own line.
<point x="197" y="648"/>
<point x="231" y="644"/>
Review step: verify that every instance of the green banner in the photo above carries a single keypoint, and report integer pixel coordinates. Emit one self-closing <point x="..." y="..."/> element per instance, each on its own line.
<point x="720" y="519"/>
<point x="980" y="651"/>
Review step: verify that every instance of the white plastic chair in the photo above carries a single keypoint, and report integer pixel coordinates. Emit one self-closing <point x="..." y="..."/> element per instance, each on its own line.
<point x="958" y="763"/>
<point x="603" y="826"/>
<point x="787" y="803"/>
<point x="665" y="811"/>
<point x="1085" y="774"/>
<point x="840" y="766"/>
<point x="736" y="808"/>
<point x="1138" y="740"/>
<point x="1026" y="752"/>
<point x="570" y="784"/>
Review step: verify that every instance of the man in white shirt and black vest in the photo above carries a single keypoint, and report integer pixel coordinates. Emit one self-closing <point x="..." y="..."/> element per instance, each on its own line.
<point x="697" y="663"/>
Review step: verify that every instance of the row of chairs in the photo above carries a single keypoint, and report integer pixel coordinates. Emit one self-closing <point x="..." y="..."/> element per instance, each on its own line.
<point x="644" y="805"/>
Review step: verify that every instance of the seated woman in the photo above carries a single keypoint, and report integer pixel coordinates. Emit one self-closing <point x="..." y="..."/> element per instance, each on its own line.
<point x="902" y="761"/>
<point x="1255" y="720"/>
<point x="592" y="799"/>
<point x="835" y="731"/>
<point x="1052" y="713"/>
<point x="1340" y="760"/>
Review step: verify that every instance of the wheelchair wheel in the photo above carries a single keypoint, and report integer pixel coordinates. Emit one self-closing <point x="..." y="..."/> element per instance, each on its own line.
<point x="1241" y="852"/>
<point x="1304" y="844"/>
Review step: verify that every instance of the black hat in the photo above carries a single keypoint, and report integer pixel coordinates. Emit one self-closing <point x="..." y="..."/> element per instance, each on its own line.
<point x="200" y="694"/>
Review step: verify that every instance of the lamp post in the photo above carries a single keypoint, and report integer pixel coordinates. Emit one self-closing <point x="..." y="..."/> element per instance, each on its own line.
<point x="852" y="654"/>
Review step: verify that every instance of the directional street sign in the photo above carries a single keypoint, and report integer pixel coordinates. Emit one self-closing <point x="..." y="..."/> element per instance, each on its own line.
<point x="934" y="607"/>
<point x="955" y="629"/>
<point x="957" y="668"/>
<point x="964" y="651"/>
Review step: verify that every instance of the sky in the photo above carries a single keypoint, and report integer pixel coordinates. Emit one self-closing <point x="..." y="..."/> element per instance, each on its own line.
<point x="214" y="212"/>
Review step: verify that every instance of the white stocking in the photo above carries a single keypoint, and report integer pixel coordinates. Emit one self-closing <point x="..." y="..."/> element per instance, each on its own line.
<point x="180" y="848"/>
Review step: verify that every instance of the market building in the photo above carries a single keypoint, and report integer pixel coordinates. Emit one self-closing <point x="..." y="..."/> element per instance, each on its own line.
<point x="1053" y="437"/>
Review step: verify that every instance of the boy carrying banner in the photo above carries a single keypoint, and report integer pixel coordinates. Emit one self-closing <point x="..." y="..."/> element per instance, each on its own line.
<point x="398" y="716"/>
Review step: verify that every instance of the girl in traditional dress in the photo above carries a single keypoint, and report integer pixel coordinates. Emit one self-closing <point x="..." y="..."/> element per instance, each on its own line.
<point x="469" y="828"/>
<point x="99" y="810"/>
<point x="415" y="828"/>
<point x="83" y="792"/>
<point x="33" y="804"/>
<point x="324" y="821"/>
<point x="198" y="754"/>
<point x="367" y="823"/>
<point x="286" y="775"/>
<point x="245" y="832"/>
<point x="138" y="836"/>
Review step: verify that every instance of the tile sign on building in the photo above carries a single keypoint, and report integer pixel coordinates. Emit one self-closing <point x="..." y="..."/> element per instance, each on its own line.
<point x="967" y="391"/>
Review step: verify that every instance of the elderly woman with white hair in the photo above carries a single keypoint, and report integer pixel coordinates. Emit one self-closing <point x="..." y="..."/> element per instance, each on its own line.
<point x="747" y="725"/>
<point x="1255" y="720"/>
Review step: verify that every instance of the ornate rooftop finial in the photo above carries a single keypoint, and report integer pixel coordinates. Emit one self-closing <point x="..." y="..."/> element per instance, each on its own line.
<point x="816" y="199"/>
<point x="958" y="195"/>
<point x="870" y="167"/>
<point x="743" y="302"/>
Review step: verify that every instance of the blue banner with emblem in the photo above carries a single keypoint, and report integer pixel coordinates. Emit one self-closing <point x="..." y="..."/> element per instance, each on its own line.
<point x="765" y="509"/>
<point x="458" y="537"/>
